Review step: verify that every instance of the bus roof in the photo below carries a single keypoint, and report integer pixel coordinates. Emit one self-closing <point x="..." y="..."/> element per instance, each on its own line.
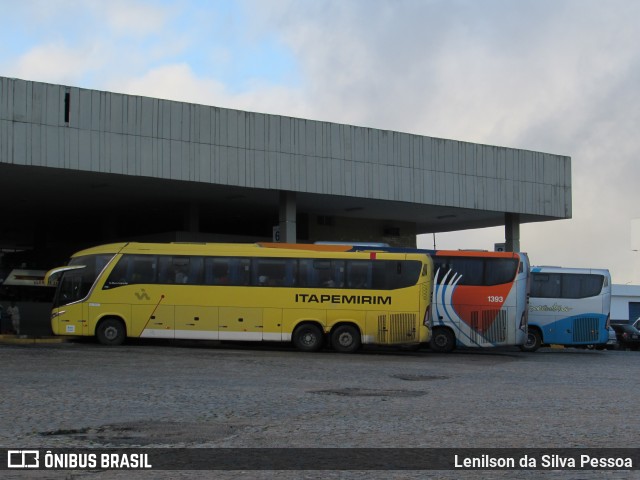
<point x="251" y="249"/>
<point x="574" y="270"/>
<point x="355" y="247"/>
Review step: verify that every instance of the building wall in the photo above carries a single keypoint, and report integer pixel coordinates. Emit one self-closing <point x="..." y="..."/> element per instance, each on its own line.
<point x="622" y="297"/>
<point x="140" y="136"/>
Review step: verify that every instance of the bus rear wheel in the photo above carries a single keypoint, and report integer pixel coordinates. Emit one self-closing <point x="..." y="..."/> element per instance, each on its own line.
<point x="533" y="342"/>
<point x="442" y="340"/>
<point x="111" y="332"/>
<point x="346" y="339"/>
<point x="308" y="338"/>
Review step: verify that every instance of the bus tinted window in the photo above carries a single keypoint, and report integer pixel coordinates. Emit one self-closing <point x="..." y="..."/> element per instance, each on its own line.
<point x="320" y="273"/>
<point x="546" y="285"/>
<point x="581" y="286"/>
<point x="500" y="270"/>
<point x="76" y="284"/>
<point x="217" y="271"/>
<point x="269" y="272"/>
<point x="133" y="269"/>
<point x="359" y="274"/>
<point x="240" y="271"/>
<point x="389" y="275"/>
<point x="227" y="271"/>
<point x="566" y="285"/>
<point x="180" y="270"/>
<point x="478" y="271"/>
<point x="471" y="270"/>
<point x="274" y="272"/>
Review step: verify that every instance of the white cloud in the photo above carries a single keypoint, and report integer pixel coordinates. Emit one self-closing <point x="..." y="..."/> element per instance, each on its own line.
<point x="559" y="77"/>
<point x="133" y="18"/>
<point x="554" y="76"/>
<point x="179" y="82"/>
<point x="57" y="63"/>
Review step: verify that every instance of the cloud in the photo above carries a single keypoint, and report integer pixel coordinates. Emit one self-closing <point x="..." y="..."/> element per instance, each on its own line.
<point x="57" y="63"/>
<point x="172" y="82"/>
<point x="553" y="76"/>
<point x="179" y="82"/>
<point x="138" y="19"/>
<point x="559" y="77"/>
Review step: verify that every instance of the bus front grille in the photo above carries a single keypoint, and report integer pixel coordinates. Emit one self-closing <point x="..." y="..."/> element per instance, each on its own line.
<point x="397" y="328"/>
<point x="489" y="326"/>
<point x="585" y="329"/>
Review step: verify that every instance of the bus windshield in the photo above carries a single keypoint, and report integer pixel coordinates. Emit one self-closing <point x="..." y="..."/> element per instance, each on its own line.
<point x="76" y="284"/>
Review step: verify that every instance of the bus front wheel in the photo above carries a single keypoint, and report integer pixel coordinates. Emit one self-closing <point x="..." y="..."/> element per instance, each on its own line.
<point x="442" y="340"/>
<point x="346" y="339"/>
<point x="111" y="332"/>
<point x="533" y="342"/>
<point x="308" y="338"/>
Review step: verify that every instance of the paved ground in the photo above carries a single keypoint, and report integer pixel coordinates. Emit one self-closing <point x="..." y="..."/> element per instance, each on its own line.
<point x="192" y="395"/>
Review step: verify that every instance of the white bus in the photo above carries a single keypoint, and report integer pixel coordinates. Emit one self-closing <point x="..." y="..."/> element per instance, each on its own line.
<point x="569" y="307"/>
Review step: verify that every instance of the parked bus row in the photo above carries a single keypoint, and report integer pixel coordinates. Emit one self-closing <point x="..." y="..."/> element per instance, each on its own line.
<point x="343" y="296"/>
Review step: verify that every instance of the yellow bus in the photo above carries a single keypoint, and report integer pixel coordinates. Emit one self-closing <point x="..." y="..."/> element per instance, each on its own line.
<point x="244" y="292"/>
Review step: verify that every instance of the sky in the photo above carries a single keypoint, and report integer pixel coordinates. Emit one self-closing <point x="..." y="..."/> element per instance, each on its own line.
<point x="556" y="76"/>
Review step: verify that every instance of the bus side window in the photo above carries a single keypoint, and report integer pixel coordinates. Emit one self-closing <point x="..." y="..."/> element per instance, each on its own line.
<point x="338" y="270"/>
<point x="581" y="285"/>
<point x="143" y="269"/>
<point x="119" y="275"/>
<point x="196" y="268"/>
<point x="384" y="274"/>
<point x="173" y="269"/>
<point x="358" y="274"/>
<point x="217" y="271"/>
<point x="240" y="271"/>
<point x="307" y="275"/>
<point x="323" y="274"/>
<point x="270" y="272"/>
<point x="546" y="285"/>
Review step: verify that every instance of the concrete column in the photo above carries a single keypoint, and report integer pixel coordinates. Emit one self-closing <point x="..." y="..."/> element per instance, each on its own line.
<point x="512" y="232"/>
<point x="287" y="217"/>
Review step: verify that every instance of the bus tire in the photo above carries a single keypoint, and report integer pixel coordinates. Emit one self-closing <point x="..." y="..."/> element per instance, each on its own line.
<point x="533" y="342"/>
<point x="442" y="340"/>
<point x="308" y="338"/>
<point x="111" y="331"/>
<point x="346" y="339"/>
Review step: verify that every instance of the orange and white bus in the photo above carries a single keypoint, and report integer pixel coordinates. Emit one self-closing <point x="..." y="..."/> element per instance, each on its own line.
<point x="248" y="292"/>
<point x="480" y="299"/>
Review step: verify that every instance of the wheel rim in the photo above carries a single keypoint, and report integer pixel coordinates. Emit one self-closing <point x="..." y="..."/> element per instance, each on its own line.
<point x="531" y="340"/>
<point x="441" y="340"/>
<point x="308" y="339"/>
<point x="345" y="339"/>
<point x="111" y="333"/>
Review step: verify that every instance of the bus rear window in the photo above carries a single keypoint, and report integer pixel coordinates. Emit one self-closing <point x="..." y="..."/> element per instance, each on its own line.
<point x="478" y="271"/>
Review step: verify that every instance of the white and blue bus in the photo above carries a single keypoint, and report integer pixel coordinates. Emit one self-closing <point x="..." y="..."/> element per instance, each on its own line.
<point x="569" y="307"/>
